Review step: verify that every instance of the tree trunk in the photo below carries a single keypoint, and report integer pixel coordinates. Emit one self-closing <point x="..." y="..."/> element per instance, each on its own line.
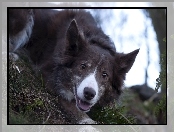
<point x="158" y="17"/>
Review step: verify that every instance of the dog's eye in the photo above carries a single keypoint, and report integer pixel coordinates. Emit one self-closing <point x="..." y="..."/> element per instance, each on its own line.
<point x="83" y="66"/>
<point x="104" y="74"/>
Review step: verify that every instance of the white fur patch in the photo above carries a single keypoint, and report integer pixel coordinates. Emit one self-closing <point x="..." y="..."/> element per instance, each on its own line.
<point x="87" y="121"/>
<point x="89" y="81"/>
<point x="66" y="94"/>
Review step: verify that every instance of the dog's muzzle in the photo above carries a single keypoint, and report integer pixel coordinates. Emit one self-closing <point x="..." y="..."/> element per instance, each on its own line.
<point x="84" y="104"/>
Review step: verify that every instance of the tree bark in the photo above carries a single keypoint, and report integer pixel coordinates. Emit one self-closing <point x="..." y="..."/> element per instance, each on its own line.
<point x="158" y="17"/>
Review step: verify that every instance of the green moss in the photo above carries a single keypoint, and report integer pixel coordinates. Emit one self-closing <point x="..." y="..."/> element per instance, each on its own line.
<point x="117" y="114"/>
<point x="29" y="102"/>
<point x="160" y="109"/>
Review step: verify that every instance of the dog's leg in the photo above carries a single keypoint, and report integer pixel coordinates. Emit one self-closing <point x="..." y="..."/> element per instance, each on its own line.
<point x="76" y="116"/>
<point x="21" y="22"/>
<point x="87" y="121"/>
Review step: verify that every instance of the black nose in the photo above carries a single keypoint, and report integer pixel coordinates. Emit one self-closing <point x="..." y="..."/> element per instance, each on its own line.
<point x="89" y="93"/>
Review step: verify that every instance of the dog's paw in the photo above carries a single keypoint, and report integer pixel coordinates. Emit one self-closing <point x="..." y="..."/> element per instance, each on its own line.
<point x="13" y="56"/>
<point x="87" y="121"/>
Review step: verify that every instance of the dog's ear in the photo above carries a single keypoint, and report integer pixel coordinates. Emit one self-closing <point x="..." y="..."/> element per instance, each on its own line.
<point x="73" y="39"/>
<point x="123" y="65"/>
<point x="127" y="60"/>
<point x="74" y="44"/>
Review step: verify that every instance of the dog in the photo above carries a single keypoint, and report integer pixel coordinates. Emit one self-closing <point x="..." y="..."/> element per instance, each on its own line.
<point x="78" y="61"/>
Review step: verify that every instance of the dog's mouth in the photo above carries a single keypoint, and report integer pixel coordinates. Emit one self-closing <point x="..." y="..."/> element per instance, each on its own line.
<point x="83" y="105"/>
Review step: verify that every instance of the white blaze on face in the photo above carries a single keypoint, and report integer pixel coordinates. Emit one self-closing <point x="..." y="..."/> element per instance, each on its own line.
<point x="89" y="81"/>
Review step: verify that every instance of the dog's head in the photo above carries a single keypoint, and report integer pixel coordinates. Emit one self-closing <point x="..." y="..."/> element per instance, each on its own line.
<point x="89" y="70"/>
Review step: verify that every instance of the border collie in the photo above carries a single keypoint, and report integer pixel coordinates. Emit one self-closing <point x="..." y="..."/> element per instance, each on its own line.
<point x="78" y="61"/>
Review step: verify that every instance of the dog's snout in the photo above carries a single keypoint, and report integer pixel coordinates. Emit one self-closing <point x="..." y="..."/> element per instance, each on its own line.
<point x="89" y="93"/>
